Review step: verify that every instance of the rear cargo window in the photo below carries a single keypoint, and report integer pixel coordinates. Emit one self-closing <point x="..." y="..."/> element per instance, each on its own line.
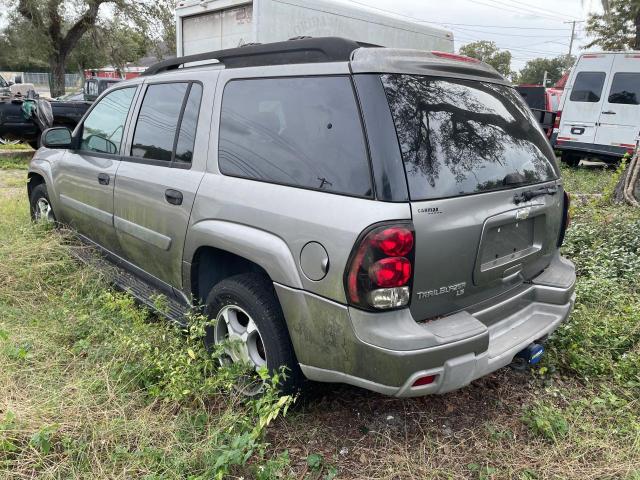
<point x="625" y="89"/>
<point x="588" y="87"/>
<point x="302" y="132"/>
<point x="460" y="137"/>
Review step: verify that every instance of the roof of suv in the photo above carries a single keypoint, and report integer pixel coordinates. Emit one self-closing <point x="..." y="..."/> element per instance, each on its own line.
<point x="363" y="58"/>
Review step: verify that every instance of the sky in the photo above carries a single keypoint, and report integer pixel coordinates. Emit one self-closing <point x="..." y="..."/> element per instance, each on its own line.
<point x="529" y="29"/>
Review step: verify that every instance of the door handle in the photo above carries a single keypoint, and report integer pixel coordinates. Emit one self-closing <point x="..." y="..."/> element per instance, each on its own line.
<point x="608" y="112"/>
<point x="174" y="197"/>
<point x="104" y="179"/>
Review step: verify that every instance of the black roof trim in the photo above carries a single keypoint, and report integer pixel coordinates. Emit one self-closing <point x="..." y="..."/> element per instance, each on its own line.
<point x="303" y="50"/>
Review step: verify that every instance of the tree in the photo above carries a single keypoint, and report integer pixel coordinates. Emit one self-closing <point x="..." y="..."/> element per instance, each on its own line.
<point x="489" y="52"/>
<point x="618" y="28"/>
<point x="533" y="71"/>
<point x="61" y="25"/>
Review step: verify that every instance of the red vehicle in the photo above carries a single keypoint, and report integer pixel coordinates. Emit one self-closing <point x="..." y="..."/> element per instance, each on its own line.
<point x="544" y="102"/>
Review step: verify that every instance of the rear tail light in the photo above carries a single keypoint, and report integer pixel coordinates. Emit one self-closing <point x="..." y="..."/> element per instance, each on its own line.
<point x="566" y="218"/>
<point x="556" y="122"/>
<point x="380" y="270"/>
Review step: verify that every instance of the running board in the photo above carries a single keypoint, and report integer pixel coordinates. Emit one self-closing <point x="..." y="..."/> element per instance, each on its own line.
<point x="140" y="290"/>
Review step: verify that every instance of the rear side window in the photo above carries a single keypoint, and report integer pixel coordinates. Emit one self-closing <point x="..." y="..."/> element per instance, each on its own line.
<point x="303" y="132"/>
<point x="187" y="135"/>
<point x="158" y="121"/>
<point x="461" y="137"/>
<point x="588" y="87"/>
<point x="625" y="89"/>
<point x="103" y="127"/>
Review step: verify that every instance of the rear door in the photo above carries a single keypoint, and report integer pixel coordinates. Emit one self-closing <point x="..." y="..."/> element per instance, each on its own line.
<point x="470" y="149"/>
<point x="620" y="117"/>
<point x="158" y="178"/>
<point x="585" y="99"/>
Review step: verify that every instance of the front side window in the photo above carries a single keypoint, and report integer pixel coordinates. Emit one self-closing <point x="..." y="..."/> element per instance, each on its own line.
<point x="303" y="132"/>
<point x="588" y="87"/>
<point x="103" y="128"/>
<point x="625" y="89"/>
<point x="157" y="124"/>
<point x="460" y="137"/>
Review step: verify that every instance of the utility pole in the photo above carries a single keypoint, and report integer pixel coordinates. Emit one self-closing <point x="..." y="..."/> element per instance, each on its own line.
<point x="573" y="34"/>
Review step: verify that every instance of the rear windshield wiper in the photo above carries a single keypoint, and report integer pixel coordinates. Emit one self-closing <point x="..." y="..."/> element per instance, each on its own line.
<point x="531" y="194"/>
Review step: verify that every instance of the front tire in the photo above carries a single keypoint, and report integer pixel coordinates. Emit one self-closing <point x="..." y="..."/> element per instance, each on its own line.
<point x="41" y="208"/>
<point x="249" y="317"/>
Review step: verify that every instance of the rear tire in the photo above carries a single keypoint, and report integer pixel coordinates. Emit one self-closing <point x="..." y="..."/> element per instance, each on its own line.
<point x="41" y="208"/>
<point x="249" y="300"/>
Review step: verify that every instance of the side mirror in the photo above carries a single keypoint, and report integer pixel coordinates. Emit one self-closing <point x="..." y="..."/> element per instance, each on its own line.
<point x="96" y="143"/>
<point x="9" y="83"/>
<point x="57" y="137"/>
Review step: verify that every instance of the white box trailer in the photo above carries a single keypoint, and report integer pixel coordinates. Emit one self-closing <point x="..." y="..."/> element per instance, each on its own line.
<point x="600" y="107"/>
<point x="209" y="25"/>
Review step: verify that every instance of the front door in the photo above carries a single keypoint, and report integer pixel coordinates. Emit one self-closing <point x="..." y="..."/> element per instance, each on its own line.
<point x="86" y="177"/>
<point x="156" y="186"/>
<point x="620" y="117"/>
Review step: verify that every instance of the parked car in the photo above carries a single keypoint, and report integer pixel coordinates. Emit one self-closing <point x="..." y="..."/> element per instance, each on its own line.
<point x="404" y="239"/>
<point x="544" y="103"/>
<point x="95" y="86"/>
<point x="600" y="109"/>
<point x="67" y="112"/>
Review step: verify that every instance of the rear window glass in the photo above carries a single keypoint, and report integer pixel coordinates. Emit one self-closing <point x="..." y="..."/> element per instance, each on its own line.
<point x="588" y="87"/>
<point x="625" y="89"/>
<point x="302" y="132"/>
<point x="461" y="137"/>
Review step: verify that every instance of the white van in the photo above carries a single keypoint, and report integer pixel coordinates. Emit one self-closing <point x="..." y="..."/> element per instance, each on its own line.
<point x="600" y="108"/>
<point x="210" y="25"/>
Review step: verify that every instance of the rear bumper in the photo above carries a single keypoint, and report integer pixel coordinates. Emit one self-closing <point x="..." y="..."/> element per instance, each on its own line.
<point x="388" y="352"/>
<point x="606" y="151"/>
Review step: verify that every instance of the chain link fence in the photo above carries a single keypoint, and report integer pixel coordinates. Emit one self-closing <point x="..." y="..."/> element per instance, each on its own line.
<point x="73" y="81"/>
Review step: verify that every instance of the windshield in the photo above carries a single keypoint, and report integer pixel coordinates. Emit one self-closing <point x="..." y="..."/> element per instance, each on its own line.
<point x="3" y="82"/>
<point x="461" y="137"/>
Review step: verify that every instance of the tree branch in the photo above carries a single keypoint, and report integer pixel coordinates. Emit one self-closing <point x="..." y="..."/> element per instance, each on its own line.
<point x="31" y="13"/>
<point x="84" y="23"/>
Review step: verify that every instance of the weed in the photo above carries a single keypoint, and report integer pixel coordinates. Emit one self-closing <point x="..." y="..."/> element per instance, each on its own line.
<point x="546" y="421"/>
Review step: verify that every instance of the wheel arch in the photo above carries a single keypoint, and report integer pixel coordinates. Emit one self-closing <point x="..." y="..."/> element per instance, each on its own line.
<point x="218" y="249"/>
<point x="33" y="180"/>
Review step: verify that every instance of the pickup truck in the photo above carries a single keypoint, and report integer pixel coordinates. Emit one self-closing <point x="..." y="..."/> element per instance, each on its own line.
<point x="14" y="125"/>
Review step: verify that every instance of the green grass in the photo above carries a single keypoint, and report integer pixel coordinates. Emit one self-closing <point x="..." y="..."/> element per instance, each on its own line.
<point x="92" y="386"/>
<point x="13" y="163"/>
<point x="17" y="146"/>
<point x="586" y="180"/>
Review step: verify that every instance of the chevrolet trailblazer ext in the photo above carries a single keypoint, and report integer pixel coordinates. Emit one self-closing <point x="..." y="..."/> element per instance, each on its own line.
<point x="380" y="217"/>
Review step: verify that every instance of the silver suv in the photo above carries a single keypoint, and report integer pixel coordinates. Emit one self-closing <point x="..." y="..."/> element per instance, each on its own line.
<point x="385" y="218"/>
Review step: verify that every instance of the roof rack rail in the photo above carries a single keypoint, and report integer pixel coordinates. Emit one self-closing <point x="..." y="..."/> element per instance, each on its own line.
<point x="303" y="50"/>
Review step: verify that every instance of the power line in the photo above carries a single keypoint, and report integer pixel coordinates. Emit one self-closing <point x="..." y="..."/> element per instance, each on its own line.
<point x="530" y="35"/>
<point x="514" y="9"/>
<point x="446" y="24"/>
<point x="545" y="10"/>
